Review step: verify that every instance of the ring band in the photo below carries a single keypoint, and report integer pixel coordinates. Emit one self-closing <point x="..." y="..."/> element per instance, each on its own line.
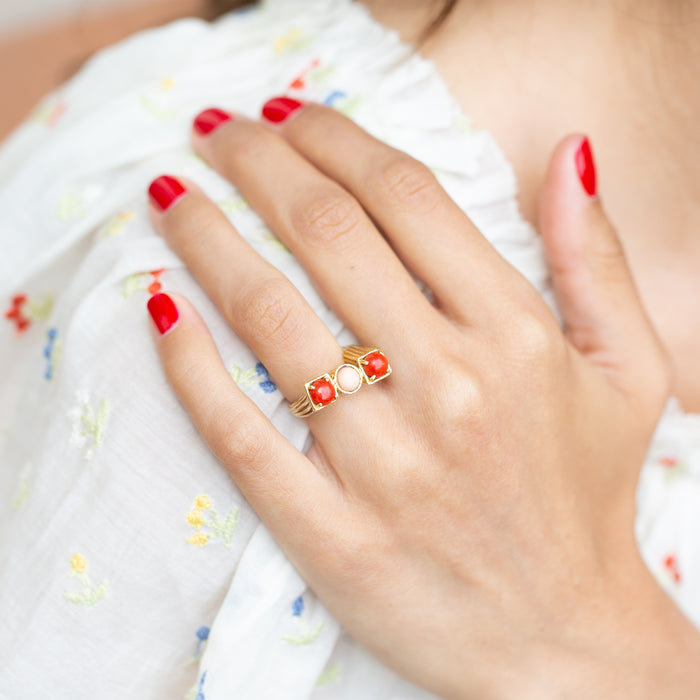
<point x="359" y="364"/>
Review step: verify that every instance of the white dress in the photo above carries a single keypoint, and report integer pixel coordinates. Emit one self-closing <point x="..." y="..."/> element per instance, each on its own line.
<point x="131" y="565"/>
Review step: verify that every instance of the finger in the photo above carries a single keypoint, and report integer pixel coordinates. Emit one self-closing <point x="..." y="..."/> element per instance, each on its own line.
<point x="603" y="315"/>
<point x="290" y="495"/>
<point x="259" y="302"/>
<point x="429" y="232"/>
<point x="354" y="269"/>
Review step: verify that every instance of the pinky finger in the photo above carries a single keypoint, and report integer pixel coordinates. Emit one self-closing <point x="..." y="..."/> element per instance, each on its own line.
<point x="292" y="497"/>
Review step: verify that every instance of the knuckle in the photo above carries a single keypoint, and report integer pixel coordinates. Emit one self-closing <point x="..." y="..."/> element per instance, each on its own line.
<point x="534" y="338"/>
<point x="242" y="443"/>
<point x="466" y="409"/>
<point x="459" y="402"/>
<point x="329" y="219"/>
<point x="269" y="312"/>
<point x="408" y="185"/>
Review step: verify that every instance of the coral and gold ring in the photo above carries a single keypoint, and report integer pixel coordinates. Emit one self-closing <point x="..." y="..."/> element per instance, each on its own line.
<point x="359" y="364"/>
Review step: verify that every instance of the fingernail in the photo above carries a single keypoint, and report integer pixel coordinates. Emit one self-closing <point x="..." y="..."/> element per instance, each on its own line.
<point x="586" y="167"/>
<point x="278" y="109"/>
<point x="163" y="312"/>
<point x="165" y="190"/>
<point x="210" y="120"/>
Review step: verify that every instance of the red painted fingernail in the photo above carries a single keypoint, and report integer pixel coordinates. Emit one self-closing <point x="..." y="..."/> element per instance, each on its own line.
<point x="278" y="109"/>
<point x="163" y="312"/>
<point x="210" y="119"/>
<point x="165" y="190"/>
<point x="586" y="167"/>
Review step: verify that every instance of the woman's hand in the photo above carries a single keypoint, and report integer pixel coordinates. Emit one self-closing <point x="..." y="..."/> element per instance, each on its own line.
<point x="470" y="518"/>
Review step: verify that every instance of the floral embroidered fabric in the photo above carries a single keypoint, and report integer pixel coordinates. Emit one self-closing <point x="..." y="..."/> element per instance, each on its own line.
<point x="132" y="566"/>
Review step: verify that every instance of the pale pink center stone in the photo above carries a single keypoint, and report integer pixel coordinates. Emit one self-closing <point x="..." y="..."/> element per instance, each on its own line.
<point x="348" y="379"/>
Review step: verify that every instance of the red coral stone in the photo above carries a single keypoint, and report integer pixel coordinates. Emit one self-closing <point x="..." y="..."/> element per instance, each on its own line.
<point x="376" y="365"/>
<point x="321" y="392"/>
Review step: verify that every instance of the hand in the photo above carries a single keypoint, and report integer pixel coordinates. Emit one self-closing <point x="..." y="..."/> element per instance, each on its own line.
<point x="476" y="506"/>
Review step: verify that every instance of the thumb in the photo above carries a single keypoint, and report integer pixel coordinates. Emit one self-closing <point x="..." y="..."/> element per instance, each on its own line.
<point x="603" y="314"/>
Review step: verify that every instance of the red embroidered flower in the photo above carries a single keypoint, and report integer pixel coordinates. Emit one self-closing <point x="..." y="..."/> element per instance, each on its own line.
<point x="671" y="565"/>
<point x="16" y="313"/>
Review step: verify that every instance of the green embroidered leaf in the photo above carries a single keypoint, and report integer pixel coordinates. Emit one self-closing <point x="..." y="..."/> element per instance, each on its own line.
<point x="101" y="422"/>
<point x="40" y="310"/>
<point x="70" y="206"/>
<point x="307" y="637"/>
<point x="134" y="283"/>
<point x="276" y="242"/>
<point x="241" y="377"/>
<point x="233" y="204"/>
<point x="229" y="527"/>
<point x="88" y="597"/>
<point x="348" y="107"/>
<point x="162" y="113"/>
<point x="322" y="74"/>
<point x="21" y="494"/>
<point x="329" y="675"/>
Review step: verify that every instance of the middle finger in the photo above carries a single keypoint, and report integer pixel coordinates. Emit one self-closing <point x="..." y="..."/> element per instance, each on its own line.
<point x="351" y="264"/>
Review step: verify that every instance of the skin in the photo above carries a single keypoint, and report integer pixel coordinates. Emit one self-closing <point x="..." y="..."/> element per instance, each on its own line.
<point x="524" y="576"/>
<point x="624" y="71"/>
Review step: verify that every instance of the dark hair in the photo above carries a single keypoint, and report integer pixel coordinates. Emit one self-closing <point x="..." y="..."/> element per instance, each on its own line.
<point x="220" y="7"/>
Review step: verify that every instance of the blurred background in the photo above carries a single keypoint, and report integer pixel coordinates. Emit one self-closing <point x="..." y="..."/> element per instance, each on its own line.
<point x="44" y="42"/>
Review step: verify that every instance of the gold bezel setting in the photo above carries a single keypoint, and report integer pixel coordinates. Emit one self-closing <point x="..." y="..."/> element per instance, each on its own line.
<point x="358" y="354"/>
<point x="356" y="369"/>
<point x="307" y="388"/>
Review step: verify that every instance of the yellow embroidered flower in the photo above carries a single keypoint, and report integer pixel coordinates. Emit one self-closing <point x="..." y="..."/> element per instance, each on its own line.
<point x="202" y="501"/>
<point x="199" y="539"/>
<point x="194" y="517"/>
<point x="78" y="564"/>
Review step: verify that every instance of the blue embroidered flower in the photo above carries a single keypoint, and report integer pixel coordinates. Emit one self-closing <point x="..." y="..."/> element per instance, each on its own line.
<point x="49" y="351"/>
<point x="335" y="95"/>
<point x="298" y="607"/>
<point x="200" y="693"/>
<point x="265" y="382"/>
<point x="202" y="636"/>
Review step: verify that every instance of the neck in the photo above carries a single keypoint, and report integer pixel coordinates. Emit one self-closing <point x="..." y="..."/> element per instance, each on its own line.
<point x="625" y="72"/>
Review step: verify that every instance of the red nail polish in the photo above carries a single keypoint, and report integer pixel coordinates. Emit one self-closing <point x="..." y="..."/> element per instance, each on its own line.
<point x="586" y="167"/>
<point x="164" y="191"/>
<point x="278" y="109"/>
<point x="163" y="312"/>
<point x="210" y="119"/>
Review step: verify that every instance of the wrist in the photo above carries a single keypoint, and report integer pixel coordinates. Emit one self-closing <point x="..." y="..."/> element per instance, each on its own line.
<point x="639" y="646"/>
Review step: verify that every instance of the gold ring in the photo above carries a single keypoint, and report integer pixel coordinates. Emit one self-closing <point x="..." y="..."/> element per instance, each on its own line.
<point x="359" y="364"/>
